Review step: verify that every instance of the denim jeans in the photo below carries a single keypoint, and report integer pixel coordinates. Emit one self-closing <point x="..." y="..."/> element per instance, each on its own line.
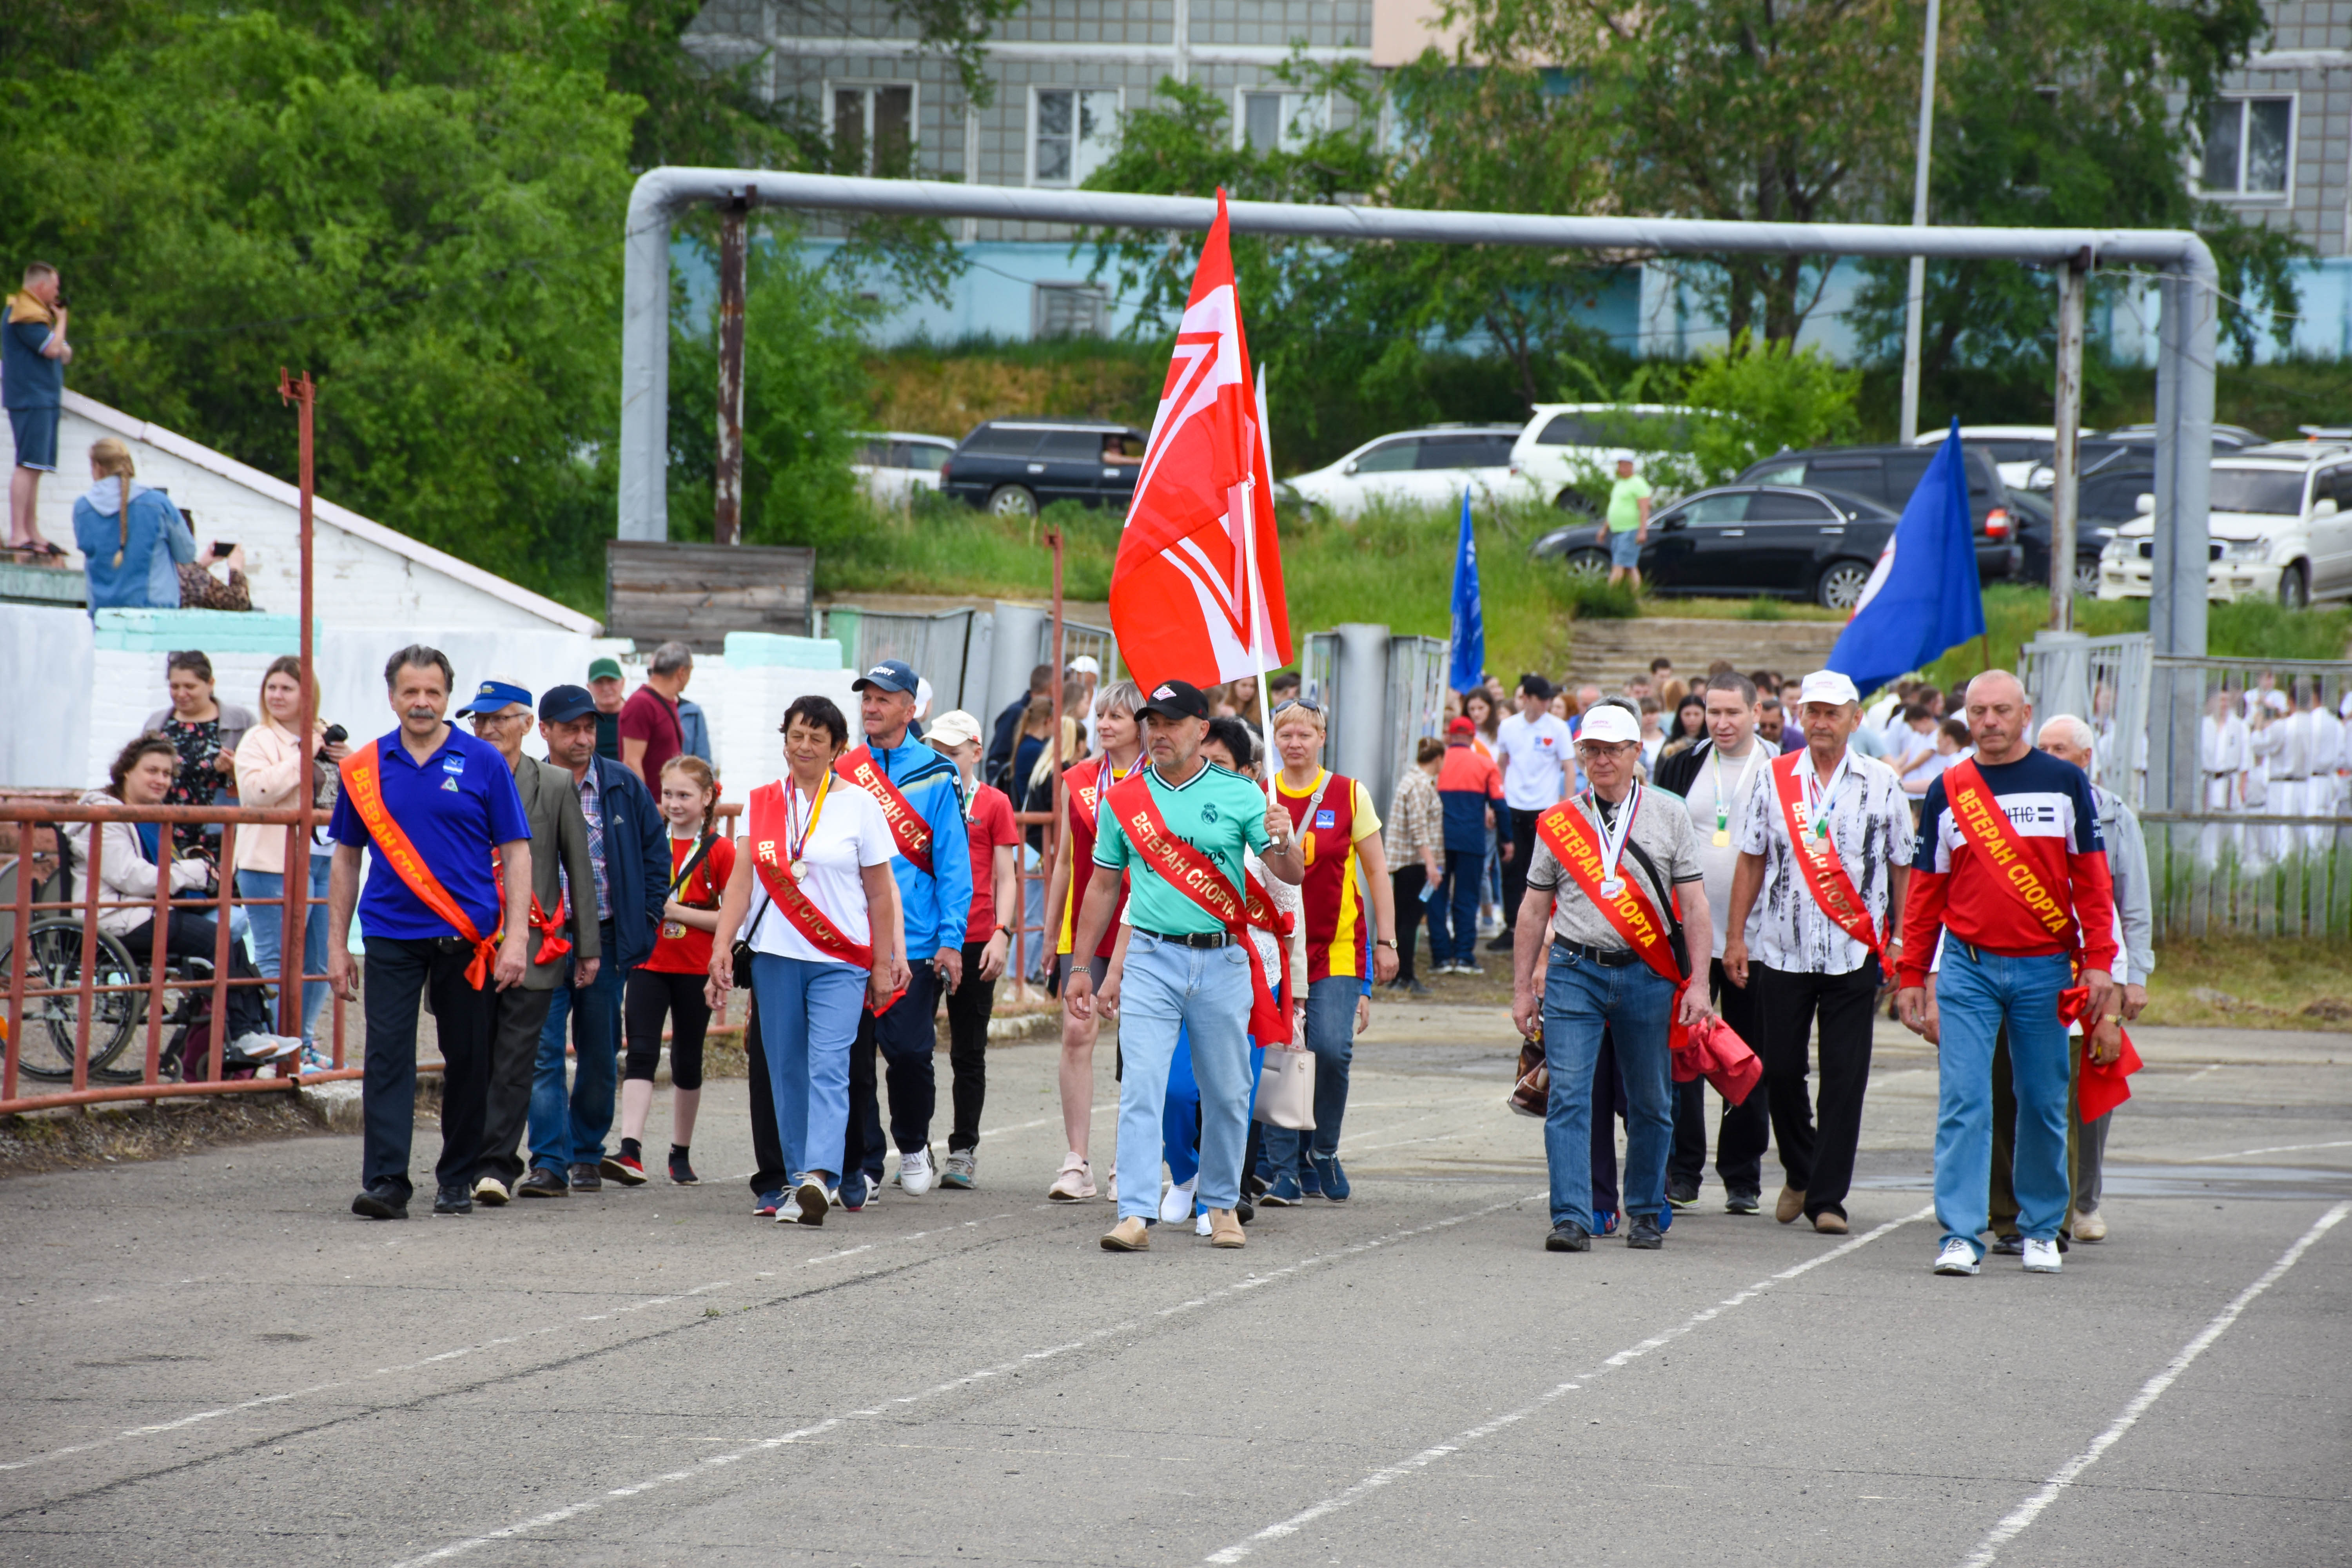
<point x="1976" y="993"/>
<point x="808" y="1015"/>
<point x="568" y="1128"/>
<point x="1635" y="1004"/>
<point x="1203" y="993"/>
<point x="1465" y="873"/>
<point x="269" y="919"/>
<point x="1331" y="1036"/>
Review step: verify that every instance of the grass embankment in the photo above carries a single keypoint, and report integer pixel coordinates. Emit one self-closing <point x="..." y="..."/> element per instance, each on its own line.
<point x="2253" y="982"/>
<point x="2251" y="629"/>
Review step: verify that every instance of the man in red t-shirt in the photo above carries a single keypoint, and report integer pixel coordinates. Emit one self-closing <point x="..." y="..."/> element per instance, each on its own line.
<point x="650" y="734"/>
<point x="995" y="884"/>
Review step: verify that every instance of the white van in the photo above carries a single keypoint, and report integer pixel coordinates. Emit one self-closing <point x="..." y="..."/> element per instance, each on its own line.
<point x="1568" y="451"/>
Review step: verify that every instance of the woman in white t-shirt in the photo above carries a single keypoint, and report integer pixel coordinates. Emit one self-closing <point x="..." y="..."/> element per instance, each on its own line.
<point x="834" y="943"/>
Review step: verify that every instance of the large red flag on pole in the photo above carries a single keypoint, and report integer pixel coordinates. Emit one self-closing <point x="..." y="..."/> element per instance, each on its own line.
<point x="1196" y="594"/>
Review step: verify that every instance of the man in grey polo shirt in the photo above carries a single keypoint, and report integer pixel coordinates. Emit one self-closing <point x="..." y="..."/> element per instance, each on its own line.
<point x="1593" y="978"/>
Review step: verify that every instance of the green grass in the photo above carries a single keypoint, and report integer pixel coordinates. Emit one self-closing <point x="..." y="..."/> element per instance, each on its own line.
<point x="2251" y="629"/>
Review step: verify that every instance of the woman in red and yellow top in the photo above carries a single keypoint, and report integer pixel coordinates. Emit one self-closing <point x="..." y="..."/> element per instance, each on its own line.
<point x="1121" y="739"/>
<point x="671" y="983"/>
<point x="1339" y="832"/>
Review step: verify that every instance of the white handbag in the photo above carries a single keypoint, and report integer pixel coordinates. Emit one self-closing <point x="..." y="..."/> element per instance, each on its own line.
<point x="1286" y="1091"/>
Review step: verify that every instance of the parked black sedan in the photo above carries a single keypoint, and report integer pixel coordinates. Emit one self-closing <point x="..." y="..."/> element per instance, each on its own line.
<point x="2105" y="502"/>
<point x="1013" y="466"/>
<point x="1790" y="541"/>
<point x="1889" y="474"/>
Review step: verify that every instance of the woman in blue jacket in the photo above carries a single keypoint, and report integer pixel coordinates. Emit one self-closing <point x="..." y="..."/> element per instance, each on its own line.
<point x="132" y="538"/>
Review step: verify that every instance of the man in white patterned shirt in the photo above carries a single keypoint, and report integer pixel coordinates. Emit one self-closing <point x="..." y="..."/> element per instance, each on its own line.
<point x="1829" y="831"/>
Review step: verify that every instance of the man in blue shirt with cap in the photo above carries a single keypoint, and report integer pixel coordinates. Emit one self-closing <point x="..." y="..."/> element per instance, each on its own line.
<point x="921" y="798"/>
<point x="432" y="804"/>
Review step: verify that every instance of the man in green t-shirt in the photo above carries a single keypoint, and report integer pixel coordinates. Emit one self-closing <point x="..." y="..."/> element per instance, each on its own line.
<point x="1628" y="525"/>
<point x="1183" y="970"/>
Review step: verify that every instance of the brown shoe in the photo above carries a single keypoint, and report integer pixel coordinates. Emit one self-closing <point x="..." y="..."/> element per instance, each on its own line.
<point x="1830" y="1224"/>
<point x="1225" y="1229"/>
<point x="1129" y="1235"/>
<point x="1791" y="1204"/>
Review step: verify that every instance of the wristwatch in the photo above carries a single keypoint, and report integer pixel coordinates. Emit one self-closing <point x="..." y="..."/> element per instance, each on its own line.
<point x="1385" y="941"/>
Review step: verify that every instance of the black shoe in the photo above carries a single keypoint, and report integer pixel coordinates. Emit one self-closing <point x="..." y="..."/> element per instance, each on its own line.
<point x="1743" y="1203"/>
<point x="1245" y="1211"/>
<point x="1418" y="988"/>
<point x="543" y="1181"/>
<point x="382" y="1201"/>
<point x="1645" y="1235"/>
<point x="1569" y="1237"/>
<point x="681" y="1171"/>
<point x="2010" y="1246"/>
<point x="586" y="1179"/>
<point x="1681" y="1194"/>
<point x="1503" y="943"/>
<point x="452" y="1201"/>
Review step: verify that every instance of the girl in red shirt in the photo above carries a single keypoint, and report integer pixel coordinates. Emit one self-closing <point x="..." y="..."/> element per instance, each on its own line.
<point x="670" y="982"/>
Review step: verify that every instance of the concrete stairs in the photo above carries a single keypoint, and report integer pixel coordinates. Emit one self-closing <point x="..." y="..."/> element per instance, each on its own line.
<point x="1608" y="652"/>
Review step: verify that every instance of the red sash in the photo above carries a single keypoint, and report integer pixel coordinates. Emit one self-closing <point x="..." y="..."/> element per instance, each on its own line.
<point x="1196" y="876"/>
<point x="554" y="944"/>
<point x="1274" y="923"/>
<point x="1817" y="861"/>
<point x="765" y="829"/>
<point x="362" y="778"/>
<point x="2101" y="1086"/>
<point x="1565" y="830"/>
<point x="1978" y="811"/>
<point x="906" y="825"/>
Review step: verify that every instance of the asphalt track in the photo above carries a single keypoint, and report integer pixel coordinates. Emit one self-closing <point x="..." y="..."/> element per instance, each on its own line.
<point x="209" y="1361"/>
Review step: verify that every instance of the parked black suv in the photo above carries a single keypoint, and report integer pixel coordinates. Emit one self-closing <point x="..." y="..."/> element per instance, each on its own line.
<point x="1013" y="466"/>
<point x="1889" y="474"/>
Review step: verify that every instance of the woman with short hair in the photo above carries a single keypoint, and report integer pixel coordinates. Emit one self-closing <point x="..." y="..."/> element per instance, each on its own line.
<point x="813" y="895"/>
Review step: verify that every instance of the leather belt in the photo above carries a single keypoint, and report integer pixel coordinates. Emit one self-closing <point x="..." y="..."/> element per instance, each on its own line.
<point x="1190" y="937"/>
<point x="1606" y="957"/>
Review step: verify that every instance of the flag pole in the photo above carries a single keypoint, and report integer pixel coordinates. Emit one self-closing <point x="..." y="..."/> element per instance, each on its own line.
<point x="1257" y="593"/>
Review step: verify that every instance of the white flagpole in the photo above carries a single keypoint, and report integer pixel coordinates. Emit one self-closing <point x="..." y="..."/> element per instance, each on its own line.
<point x="1257" y="592"/>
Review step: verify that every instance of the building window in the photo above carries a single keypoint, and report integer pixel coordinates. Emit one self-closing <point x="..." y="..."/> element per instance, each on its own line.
<point x="1279" y="121"/>
<point x="1073" y="132"/>
<point x="873" y="127"/>
<point x="2248" y="145"/>
<point x="1068" y="310"/>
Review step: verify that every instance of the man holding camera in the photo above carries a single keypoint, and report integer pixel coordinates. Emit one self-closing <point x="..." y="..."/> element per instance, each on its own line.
<point x="34" y="354"/>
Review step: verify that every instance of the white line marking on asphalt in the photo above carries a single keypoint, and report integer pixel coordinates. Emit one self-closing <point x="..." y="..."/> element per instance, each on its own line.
<point x="2026" y="1512"/>
<point x="2281" y="1149"/>
<point x="1428" y="1457"/>
<point x="766" y="1445"/>
<point x="2201" y="1072"/>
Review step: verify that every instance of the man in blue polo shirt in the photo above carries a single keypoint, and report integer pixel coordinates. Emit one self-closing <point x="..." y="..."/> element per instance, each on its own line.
<point x="432" y="803"/>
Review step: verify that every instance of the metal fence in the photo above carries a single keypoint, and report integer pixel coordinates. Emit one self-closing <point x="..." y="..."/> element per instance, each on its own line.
<point x="2250" y="874"/>
<point x="2104" y="681"/>
<point x="1416" y="707"/>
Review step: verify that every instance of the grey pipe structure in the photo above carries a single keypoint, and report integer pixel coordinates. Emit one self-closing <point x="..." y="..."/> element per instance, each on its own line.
<point x="2189" y="293"/>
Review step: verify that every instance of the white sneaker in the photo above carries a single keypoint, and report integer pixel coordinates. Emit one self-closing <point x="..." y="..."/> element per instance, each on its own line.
<point x="790" y="1212"/>
<point x="1200" y="1226"/>
<point x="261" y="1047"/>
<point x="2040" y="1256"/>
<point x="809" y="1202"/>
<point x="1958" y="1258"/>
<point x="914" y="1172"/>
<point x="1176" y="1203"/>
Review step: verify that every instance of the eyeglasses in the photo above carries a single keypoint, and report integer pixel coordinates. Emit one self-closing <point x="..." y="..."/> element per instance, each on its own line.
<point x="1592" y="750"/>
<point x="1307" y="702"/>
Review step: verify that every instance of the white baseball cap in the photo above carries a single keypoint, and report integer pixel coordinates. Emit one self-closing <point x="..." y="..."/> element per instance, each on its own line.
<point x="953" y="728"/>
<point x="1608" y="724"/>
<point x="1827" y="685"/>
<point x="1084" y="664"/>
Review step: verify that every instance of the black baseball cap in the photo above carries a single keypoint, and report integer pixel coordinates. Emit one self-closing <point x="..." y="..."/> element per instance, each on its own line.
<point x="562" y="704"/>
<point x="890" y="675"/>
<point x="1177" y="699"/>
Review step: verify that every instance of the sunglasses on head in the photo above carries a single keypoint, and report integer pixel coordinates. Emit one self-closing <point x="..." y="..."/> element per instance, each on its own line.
<point x="1308" y="704"/>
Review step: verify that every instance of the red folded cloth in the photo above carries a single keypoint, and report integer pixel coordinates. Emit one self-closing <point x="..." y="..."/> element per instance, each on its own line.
<point x="2102" y="1086"/>
<point x="1714" y="1052"/>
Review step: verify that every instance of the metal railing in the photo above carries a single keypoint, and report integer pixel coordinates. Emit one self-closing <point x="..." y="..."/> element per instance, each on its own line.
<point x="65" y="973"/>
<point x="2245" y="874"/>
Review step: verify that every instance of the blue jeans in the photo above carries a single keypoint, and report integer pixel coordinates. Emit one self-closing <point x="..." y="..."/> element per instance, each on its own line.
<point x="1331" y="1036"/>
<point x="1465" y="873"/>
<point x="568" y="1128"/>
<point x="1179" y="1120"/>
<point x="269" y="922"/>
<point x="1203" y="993"/>
<point x="1976" y="993"/>
<point x="808" y="1016"/>
<point x="1635" y="1004"/>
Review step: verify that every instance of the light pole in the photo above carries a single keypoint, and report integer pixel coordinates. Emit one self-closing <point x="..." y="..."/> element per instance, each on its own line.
<point x="1916" y="303"/>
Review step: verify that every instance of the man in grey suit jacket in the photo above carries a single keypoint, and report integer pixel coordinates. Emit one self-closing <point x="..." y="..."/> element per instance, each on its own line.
<point x="501" y="712"/>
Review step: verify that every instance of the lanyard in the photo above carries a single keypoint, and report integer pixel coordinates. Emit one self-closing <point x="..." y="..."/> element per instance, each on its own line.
<point x="1820" y="797"/>
<point x="1614" y="836"/>
<point x="686" y="868"/>
<point x="1107" y="775"/>
<point x="1723" y="800"/>
<point x="794" y="847"/>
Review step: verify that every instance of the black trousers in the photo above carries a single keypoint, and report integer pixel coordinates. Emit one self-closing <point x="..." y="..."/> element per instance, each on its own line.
<point x="1515" y="869"/>
<point x="1405" y="883"/>
<point x="517" y="1017"/>
<point x="1818" y="1163"/>
<point x="907" y="1036"/>
<point x="1745" y="1129"/>
<point x="767" y="1148"/>
<point x="652" y="996"/>
<point x="969" y="1006"/>
<point x="398" y="973"/>
<point x="187" y="935"/>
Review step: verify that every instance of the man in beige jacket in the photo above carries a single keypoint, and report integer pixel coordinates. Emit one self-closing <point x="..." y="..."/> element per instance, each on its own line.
<point x="502" y="714"/>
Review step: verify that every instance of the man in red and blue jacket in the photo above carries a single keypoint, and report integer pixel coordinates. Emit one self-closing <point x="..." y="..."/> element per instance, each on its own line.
<point x="1469" y="788"/>
<point x="2012" y="883"/>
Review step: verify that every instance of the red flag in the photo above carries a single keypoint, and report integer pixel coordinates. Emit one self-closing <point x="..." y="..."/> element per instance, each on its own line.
<point x="1185" y="603"/>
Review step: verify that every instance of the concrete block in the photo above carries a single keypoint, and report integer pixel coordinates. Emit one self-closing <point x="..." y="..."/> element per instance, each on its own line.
<point x="747" y="650"/>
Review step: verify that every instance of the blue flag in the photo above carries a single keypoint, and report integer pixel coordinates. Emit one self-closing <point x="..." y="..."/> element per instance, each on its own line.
<point x="1923" y="597"/>
<point x="1469" y="665"/>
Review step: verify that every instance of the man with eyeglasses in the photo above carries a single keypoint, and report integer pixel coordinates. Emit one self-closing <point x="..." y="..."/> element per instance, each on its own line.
<point x="1612" y="870"/>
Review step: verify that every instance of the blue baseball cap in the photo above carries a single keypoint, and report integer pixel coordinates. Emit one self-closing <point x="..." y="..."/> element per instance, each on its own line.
<point x="562" y="704"/>
<point x="493" y="695"/>
<point x="890" y="675"/>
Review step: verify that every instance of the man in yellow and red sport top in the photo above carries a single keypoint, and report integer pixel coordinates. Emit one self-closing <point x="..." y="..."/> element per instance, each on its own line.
<point x="1339" y="832"/>
<point x="2013" y="874"/>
